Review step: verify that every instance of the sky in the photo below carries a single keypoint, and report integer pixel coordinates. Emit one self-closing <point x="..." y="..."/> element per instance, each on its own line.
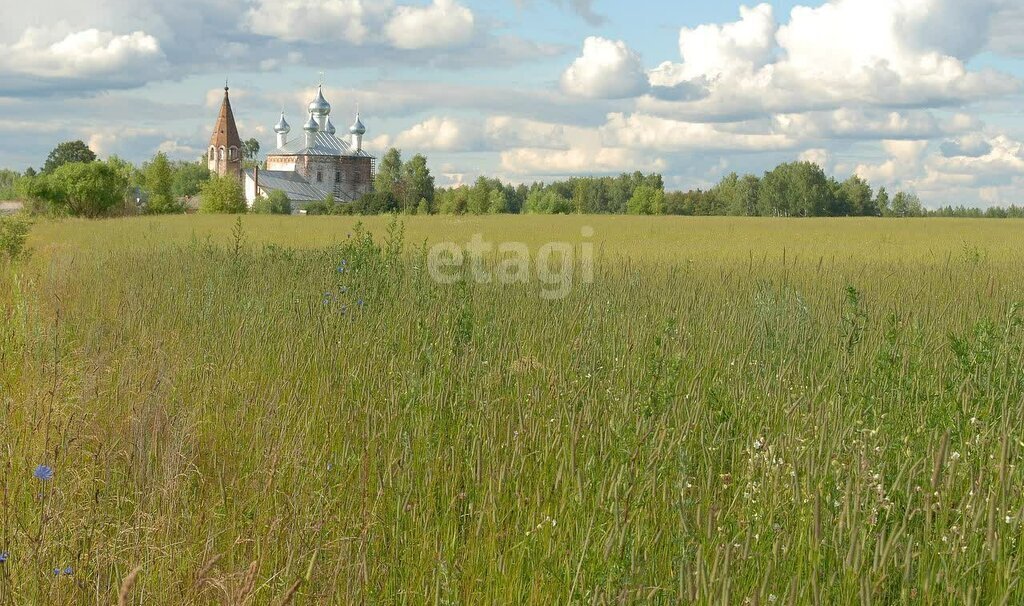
<point x="918" y="95"/>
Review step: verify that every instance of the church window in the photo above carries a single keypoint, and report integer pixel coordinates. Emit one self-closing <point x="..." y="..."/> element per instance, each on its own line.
<point x="220" y="154"/>
<point x="213" y="153"/>
<point x="337" y="176"/>
<point x="319" y="176"/>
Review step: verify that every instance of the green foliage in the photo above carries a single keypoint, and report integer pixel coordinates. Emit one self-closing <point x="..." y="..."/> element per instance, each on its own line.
<point x="548" y="202"/>
<point x="68" y="152"/>
<point x="13" y="234"/>
<point x="222" y="195"/>
<point x="8" y="184"/>
<point x="389" y="173"/>
<point x="93" y="189"/>
<point x="416" y="183"/>
<point x="277" y="203"/>
<point x="646" y="200"/>
<point x="423" y="208"/>
<point x="159" y="181"/>
<point x="250" y="149"/>
<point x="189" y="178"/>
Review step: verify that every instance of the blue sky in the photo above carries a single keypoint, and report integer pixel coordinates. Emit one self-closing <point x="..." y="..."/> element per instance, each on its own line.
<point x="921" y="95"/>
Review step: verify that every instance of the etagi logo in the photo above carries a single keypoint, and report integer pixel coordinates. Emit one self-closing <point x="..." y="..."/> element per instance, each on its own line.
<point x="555" y="265"/>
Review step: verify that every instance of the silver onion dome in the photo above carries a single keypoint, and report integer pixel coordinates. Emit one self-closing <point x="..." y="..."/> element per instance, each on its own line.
<point x="282" y="127"/>
<point x="311" y="124"/>
<point x="330" y="127"/>
<point x="357" y="128"/>
<point x="319" y="106"/>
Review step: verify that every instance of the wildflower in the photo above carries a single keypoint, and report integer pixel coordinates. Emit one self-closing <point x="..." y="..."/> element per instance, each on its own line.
<point x="44" y="473"/>
<point x="955" y="456"/>
<point x="68" y="571"/>
<point x="344" y="289"/>
<point x="1009" y="519"/>
<point x="4" y="556"/>
<point x="773" y="598"/>
<point x="56" y="572"/>
<point x="360" y="303"/>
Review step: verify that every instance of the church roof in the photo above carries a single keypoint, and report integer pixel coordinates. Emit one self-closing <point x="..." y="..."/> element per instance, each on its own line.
<point x="225" y="132"/>
<point x="324" y="144"/>
<point x="292" y="184"/>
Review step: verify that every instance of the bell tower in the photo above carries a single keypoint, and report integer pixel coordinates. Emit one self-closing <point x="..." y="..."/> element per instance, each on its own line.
<point x="225" y="154"/>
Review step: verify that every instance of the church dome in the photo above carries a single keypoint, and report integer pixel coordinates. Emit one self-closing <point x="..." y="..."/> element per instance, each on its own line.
<point x="330" y="127"/>
<point x="311" y="125"/>
<point x="282" y="128"/>
<point x="319" y="106"/>
<point x="357" y="128"/>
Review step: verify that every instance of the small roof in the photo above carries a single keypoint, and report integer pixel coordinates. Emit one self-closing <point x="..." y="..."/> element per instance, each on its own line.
<point x="324" y="144"/>
<point x="292" y="184"/>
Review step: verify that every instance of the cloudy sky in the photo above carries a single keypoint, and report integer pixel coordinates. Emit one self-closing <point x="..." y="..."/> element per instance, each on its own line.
<point x="924" y="95"/>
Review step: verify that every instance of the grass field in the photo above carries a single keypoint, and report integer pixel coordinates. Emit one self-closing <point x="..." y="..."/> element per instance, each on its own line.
<point x="734" y="411"/>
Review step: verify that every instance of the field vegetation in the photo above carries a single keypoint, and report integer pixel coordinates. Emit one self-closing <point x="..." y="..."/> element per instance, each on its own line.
<point x="272" y="410"/>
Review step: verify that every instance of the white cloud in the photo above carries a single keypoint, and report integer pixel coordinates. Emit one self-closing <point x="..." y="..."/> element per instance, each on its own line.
<point x="818" y="156"/>
<point x="578" y="161"/>
<point x="848" y="123"/>
<point x="317" y="20"/>
<point x="743" y="47"/>
<point x="82" y="54"/>
<point x="443" y="23"/>
<point x="439" y="134"/>
<point x="844" y="53"/>
<point x="641" y="131"/>
<point x="608" y="69"/>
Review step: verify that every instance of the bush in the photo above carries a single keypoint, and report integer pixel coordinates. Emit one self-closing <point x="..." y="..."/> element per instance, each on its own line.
<point x="13" y="233"/>
<point x="93" y="189"/>
<point x="222" y="195"/>
<point x="276" y="204"/>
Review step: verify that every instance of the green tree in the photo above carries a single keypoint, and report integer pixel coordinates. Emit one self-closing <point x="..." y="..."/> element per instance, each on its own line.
<point x="66" y="153"/>
<point x="250" y="149"/>
<point x="856" y="198"/>
<point x="646" y="200"/>
<point x="417" y="183"/>
<point x="389" y="173"/>
<point x="81" y="189"/>
<point x="188" y="179"/>
<point x="882" y="202"/>
<point x="423" y="208"/>
<point x="277" y="203"/>
<point x="222" y="195"/>
<point x="8" y="178"/>
<point x="159" y="179"/>
<point x="497" y="201"/>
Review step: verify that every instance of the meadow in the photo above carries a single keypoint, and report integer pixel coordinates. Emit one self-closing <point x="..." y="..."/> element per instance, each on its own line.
<point x="279" y="410"/>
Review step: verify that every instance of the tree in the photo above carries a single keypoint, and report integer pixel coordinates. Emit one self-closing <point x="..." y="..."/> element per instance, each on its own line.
<point x="646" y="200"/>
<point x="856" y="198"/>
<point x="251" y="149"/>
<point x="7" y="180"/>
<point x="66" y="153"/>
<point x="277" y="203"/>
<point x="497" y="201"/>
<point x="159" y="180"/>
<point x="417" y="183"/>
<point x="423" y="208"/>
<point x="882" y="202"/>
<point x="85" y="189"/>
<point x="188" y="179"/>
<point x="222" y="195"/>
<point x="389" y="173"/>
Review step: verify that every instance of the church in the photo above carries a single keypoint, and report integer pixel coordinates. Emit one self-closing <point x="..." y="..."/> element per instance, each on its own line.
<point x="306" y="167"/>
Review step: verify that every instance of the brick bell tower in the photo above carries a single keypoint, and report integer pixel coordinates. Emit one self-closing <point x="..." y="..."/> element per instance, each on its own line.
<point x="225" y="153"/>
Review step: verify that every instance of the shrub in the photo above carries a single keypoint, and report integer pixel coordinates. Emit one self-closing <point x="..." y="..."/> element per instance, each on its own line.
<point x="275" y="204"/>
<point x="222" y="195"/>
<point x="13" y="233"/>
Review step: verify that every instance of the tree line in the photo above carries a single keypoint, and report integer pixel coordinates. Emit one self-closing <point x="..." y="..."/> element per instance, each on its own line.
<point x="73" y="181"/>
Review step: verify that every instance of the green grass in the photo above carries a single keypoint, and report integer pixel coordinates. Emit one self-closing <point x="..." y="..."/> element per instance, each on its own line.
<point x="824" y="411"/>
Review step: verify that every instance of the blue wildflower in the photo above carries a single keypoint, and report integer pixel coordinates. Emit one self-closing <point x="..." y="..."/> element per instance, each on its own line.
<point x="327" y="298"/>
<point x="330" y="466"/>
<point x="360" y="303"/>
<point x="56" y="572"/>
<point x="44" y="473"/>
<point x="4" y="556"/>
<point x="68" y="571"/>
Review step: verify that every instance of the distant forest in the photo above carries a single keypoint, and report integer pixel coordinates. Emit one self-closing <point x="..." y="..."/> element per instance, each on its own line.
<point x="73" y="181"/>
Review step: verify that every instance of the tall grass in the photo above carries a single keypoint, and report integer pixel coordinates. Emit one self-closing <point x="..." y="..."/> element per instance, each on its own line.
<point x="248" y="422"/>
